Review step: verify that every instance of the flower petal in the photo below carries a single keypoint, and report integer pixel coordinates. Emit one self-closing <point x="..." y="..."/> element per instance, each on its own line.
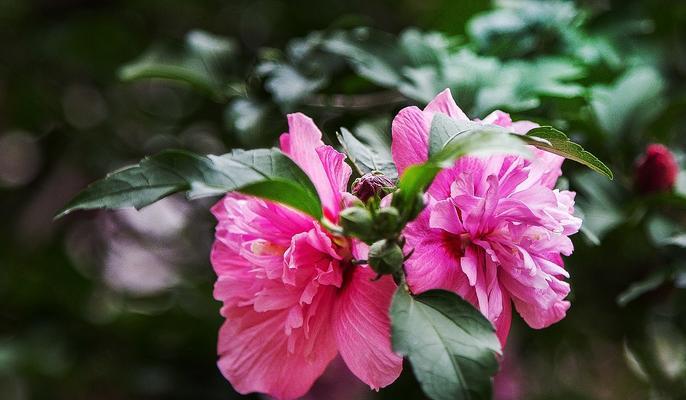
<point x="410" y="143"/>
<point x="301" y="143"/>
<point x="255" y="354"/>
<point x="445" y="104"/>
<point x="363" y="328"/>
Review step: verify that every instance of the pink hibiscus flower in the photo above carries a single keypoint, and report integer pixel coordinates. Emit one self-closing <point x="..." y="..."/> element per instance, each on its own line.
<point x="291" y="297"/>
<point x="494" y="229"/>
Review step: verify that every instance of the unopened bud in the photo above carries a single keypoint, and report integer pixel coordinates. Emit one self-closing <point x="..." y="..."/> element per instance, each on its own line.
<point x="385" y="257"/>
<point x="387" y="221"/>
<point x="371" y="184"/>
<point x="357" y="222"/>
<point x="656" y="171"/>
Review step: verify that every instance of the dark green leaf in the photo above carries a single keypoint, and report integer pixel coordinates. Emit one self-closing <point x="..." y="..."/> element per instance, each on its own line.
<point x="598" y="204"/>
<point x="201" y="62"/>
<point x="287" y="84"/>
<point x="451" y="346"/>
<point x="266" y="173"/>
<point x="554" y="141"/>
<point x="364" y="157"/>
<point x="373" y="54"/>
<point x="252" y="122"/>
<point x="637" y="289"/>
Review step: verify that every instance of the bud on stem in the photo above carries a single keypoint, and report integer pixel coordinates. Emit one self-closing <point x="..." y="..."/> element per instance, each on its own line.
<point x="386" y="257"/>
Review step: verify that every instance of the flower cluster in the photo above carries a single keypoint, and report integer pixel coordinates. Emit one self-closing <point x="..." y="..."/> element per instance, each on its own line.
<point x="295" y="295"/>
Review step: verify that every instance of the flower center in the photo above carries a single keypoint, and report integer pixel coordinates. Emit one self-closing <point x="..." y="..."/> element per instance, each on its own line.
<point x="456" y="244"/>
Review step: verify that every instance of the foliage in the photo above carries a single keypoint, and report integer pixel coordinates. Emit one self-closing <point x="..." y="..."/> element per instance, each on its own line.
<point x="609" y="74"/>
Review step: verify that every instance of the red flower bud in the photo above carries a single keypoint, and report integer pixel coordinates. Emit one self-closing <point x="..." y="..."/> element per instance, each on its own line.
<point x="371" y="184"/>
<point x="656" y="170"/>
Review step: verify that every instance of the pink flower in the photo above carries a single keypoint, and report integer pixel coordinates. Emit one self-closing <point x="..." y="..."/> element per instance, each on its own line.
<point x="291" y="297"/>
<point x="656" y="171"/>
<point x="494" y="228"/>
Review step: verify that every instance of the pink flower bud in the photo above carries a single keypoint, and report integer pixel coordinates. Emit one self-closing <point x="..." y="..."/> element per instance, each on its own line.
<point x="656" y="170"/>
<point x="371" y="184"/>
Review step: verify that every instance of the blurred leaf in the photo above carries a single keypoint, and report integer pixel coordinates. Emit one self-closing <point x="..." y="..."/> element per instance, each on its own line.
<point x="522" y="27"/>
<point x="519" y="85"/>
<point x="288" y="85"/>
<point x="666" y="232"/>
<point x="657" y="354"/>
<point x="173" y="171"/>
<point x="450" y="344"/>
<point x="373" y="54"/>
<point x="637" y="289"/>
<point x="201" y="61"/>
<point x="630" y="103"/>
<point x="588" y="234"/>
<point x="600" y="201"/>
<point x="364" y="157"/>
<point x="252" y="122"/>
<point x="554" y="141"/>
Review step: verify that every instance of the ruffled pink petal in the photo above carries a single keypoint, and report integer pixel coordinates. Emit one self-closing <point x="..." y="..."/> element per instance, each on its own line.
<point x="435" y="261"/>
<point x="301" y="143"/>
<point x="504" y="320"/>
<point x="445" y="104"/>
<point x="337" y="172"/>
<point x="538" y="297"/>
<point x="363" y="330"/>
<point x="410" y="143"/>
<point x="256" y="355"/>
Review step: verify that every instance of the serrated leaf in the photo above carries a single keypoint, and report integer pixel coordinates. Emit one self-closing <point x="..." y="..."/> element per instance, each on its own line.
<point x="364" y="157"/>
<point x="450" y="344"/>
<point x="265" y="173"/>
<point x="200" y="61"/>
<point x="550" y="139"/>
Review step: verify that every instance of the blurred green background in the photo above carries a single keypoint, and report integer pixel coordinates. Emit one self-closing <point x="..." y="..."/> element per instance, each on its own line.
<point x="118" y="305"/>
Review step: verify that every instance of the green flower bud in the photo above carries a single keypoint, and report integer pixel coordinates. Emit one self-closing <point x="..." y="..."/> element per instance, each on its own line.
<point x="409" y="209"/>
<point x="385" y="257"/>
<point x="357" y="222"/>
<point x="386" y="222"/>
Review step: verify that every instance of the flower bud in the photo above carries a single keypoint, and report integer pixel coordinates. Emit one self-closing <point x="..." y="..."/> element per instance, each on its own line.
<point x="386" y="221"/>
<point x="357" y="222"/>
<point x="656" y="170"/>
<point x="385" y="257"/>
<point x="371" y="184"/>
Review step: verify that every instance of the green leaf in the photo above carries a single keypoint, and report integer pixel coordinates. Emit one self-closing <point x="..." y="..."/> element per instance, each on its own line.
<point x="252" y="122"/>
<point x="265" y="173"/>
<point x="364" y="157"/>
<point x="634" y="100"/>
<point x="372" y="54"/>
<point x="520" y="28"/>
<point x="554" y="141"/>
<point x="638" y="289"/>
<point x="287" y="84"/>
<point x="519" y="85"/>
<point x="201" y="61"/>
<point x="450" y="344"/>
